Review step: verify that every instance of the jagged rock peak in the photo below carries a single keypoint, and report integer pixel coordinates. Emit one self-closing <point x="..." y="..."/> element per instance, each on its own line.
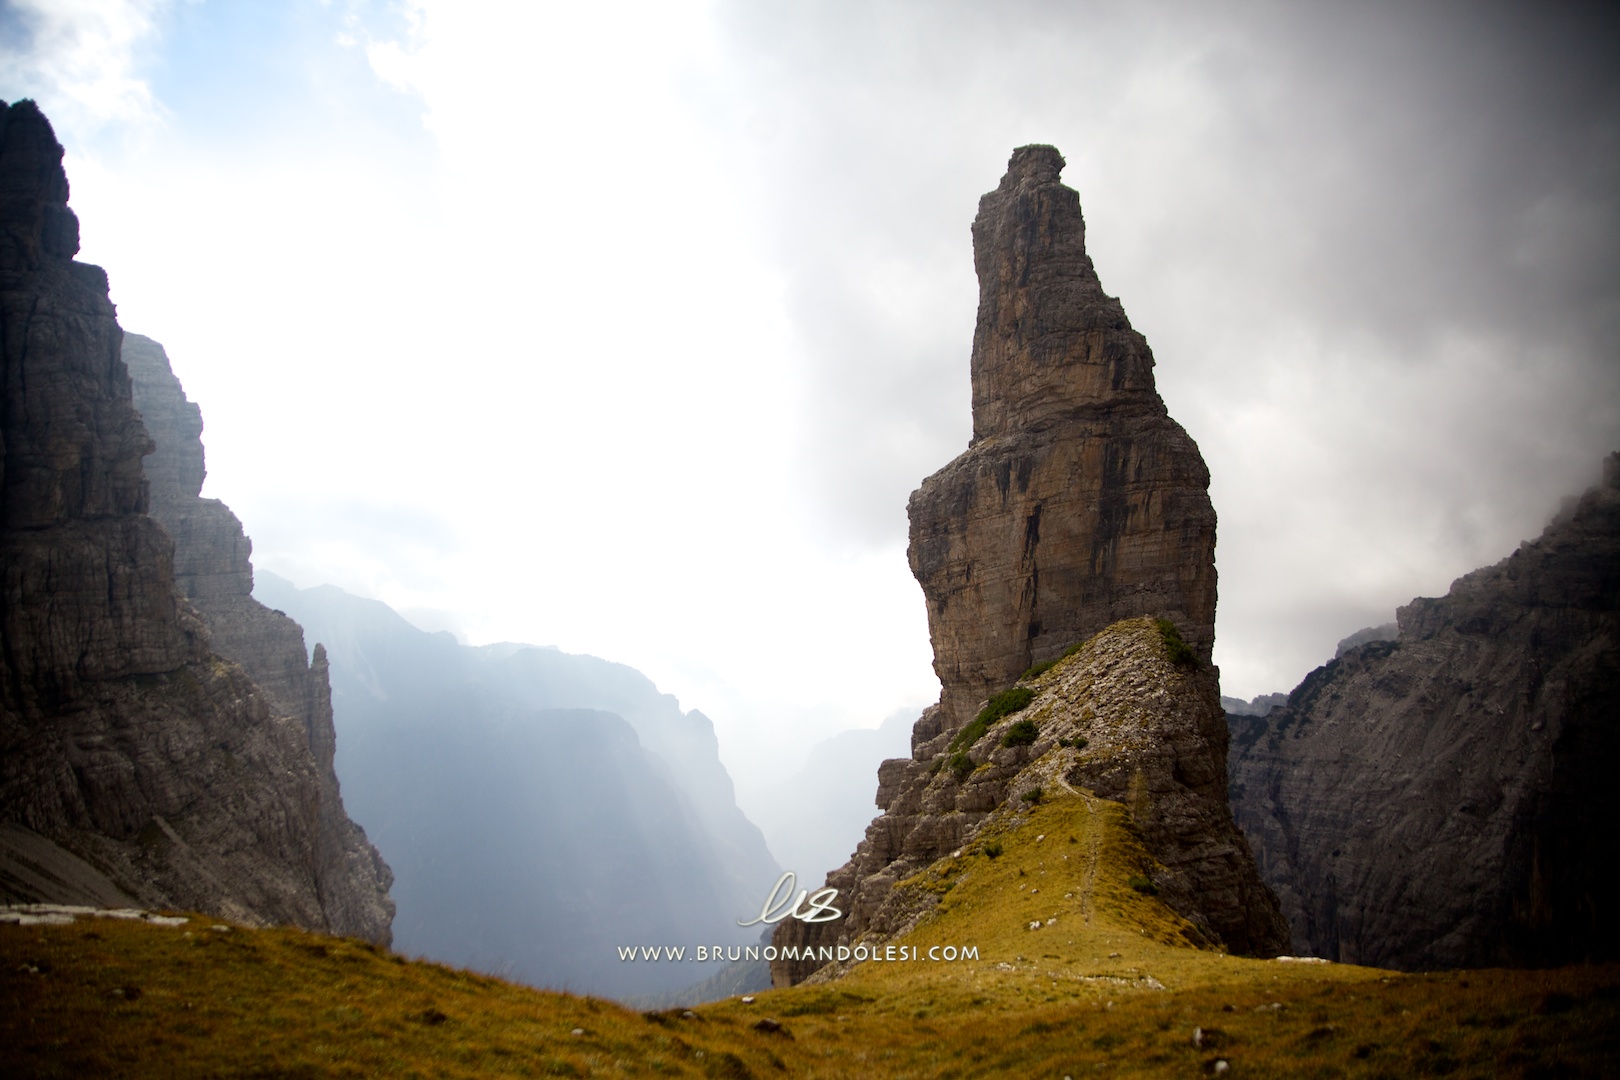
<point x="1049" y="341"/>
<point x="35" y="222"/>
<point x="213" y="569"/>
<point x="175" y="469"/>
<point x="1446" y="798"/>
<point x="1079" y="501"/>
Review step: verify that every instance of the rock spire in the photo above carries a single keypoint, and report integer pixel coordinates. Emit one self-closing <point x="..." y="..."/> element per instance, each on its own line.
<point x="1076" y="529"/>
<point x="1079" y="501"/>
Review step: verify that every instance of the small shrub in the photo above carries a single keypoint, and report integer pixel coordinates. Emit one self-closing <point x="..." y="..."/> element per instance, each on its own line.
<point x="1022" y="733"/>
<point x="939" y="763"/>
<point x="1179" y="652"/>
<point x="1079" y="742"/>
<point x="1143" y="886"/>
<point x="1037" y="670"/>
<point x="961" y="765"/>
<point x="1034" y="795"/>
<point x="1003" y="704"/>
<point x="993" y="849"/>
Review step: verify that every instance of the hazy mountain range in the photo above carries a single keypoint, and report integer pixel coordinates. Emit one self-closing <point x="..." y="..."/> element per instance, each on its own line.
<point x="538" y="808"/>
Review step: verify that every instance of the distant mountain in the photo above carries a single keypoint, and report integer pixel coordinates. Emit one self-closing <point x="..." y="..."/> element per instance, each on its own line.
<point x="539" y="809"/>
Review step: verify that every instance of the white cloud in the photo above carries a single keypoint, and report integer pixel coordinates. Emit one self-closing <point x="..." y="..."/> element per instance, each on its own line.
<point x="81" y="59"/>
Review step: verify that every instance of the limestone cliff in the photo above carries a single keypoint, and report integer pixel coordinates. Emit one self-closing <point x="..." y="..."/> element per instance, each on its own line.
<point x="213" y="570"/>
<point x="133" y="761"/>
<point x="1079" y="505"/>
<point x="1079" y="501"/>
<point x="1448" y="798"/>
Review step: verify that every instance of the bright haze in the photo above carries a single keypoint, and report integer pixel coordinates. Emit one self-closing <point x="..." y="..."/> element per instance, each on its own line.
<point x="628" y="328"/>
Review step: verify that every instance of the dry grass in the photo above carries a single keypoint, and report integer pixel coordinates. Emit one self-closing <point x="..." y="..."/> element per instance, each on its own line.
<point x="1080" y="993"/>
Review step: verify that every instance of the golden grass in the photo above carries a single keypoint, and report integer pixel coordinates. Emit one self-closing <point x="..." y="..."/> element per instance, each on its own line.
<point x="1079" y="997"/>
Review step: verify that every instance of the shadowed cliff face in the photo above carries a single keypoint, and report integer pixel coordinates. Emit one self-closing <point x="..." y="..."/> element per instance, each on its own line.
<point x="1080" y="501"/>
<point x="1448" y="799"/>
<point x="1079" y="510"/>
<point x="134" y="763"/>
<point x="213" y="570"/>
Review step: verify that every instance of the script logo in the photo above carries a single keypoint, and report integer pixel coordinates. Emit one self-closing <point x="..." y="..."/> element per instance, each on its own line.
<point x="777" y="907"/>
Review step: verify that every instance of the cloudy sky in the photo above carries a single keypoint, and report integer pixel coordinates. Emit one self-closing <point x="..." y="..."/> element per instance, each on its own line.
<point x="628" y="327"/>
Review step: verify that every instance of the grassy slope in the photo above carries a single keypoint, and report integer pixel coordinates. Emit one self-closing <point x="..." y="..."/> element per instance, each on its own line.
<point x="1050" y="1002"/>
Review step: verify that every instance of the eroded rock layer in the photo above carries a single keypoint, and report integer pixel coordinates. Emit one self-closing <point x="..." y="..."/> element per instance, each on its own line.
<point x="214" y="571"/>
<point x="1448" y="799"/>
<point x="1079" y="501"/>
<point x="133" y="760"/>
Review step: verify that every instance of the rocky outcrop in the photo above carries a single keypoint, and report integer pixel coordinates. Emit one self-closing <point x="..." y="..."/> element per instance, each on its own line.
<point x="1448" y="798"/>
<point x="1119" y="718"/>
<point x="1079" y="505"/>
<point x="214" y="571"/>
<point x="132" y="758"/>
<point x="1079" y="501"/>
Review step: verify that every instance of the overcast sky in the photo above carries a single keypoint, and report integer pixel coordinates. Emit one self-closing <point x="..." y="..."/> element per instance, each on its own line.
<point x="629" y="327"/>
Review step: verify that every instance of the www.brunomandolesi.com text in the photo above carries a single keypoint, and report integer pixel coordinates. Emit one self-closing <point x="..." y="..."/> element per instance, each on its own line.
<point x="824" y="954"/>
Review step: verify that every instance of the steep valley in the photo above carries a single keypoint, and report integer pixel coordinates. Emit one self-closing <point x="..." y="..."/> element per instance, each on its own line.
<point x="539" y="808"/>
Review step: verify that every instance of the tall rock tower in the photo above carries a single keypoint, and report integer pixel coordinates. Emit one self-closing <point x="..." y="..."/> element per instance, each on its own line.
<point x="1079" y="508"/>
<point x="1079" y="501"/>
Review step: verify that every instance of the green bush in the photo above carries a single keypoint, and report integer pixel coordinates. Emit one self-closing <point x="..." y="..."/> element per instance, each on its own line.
<point x="960" y="765"/>
<point x="1079" y="742"/>
<point x="1034" y="795"/>
<point x="1003" y="704"/>
<point x="1179" y="652"/>
<point x="1022" y="733"/>
<point x="1144" y="886"/>
<point x="993" y="849"/>
<point x="1037" y="670"/>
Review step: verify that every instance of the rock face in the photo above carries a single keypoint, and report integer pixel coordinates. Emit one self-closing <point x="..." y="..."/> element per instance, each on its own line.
<point x="1448" y="799"/>
<point x="133" y="761"/>
<point x="1079" y="501"/>
<point x="213" y="570"/>
<point x="1079" y="505"/>
<point x="1152" y="736"/>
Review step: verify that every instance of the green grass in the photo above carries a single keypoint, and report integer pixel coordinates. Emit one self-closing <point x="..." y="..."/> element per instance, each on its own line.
<point x="1003" y="704"/>
<point x="1109" y="986"/>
